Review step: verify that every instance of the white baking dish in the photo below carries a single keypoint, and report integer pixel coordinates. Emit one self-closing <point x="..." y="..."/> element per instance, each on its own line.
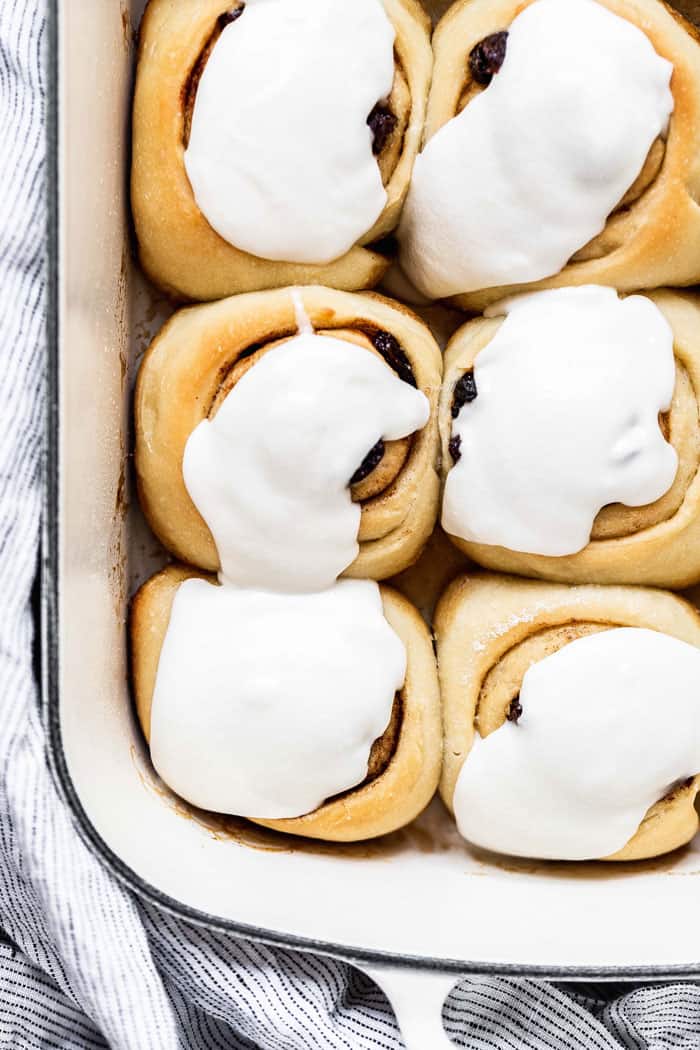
<point x="421" y="905"/>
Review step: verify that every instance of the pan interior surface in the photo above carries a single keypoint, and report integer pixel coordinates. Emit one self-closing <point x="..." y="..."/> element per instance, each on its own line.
<point x="422" y="892"/>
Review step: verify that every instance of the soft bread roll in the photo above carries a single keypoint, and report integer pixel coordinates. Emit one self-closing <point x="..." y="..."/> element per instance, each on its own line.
<point x="201" y="353"/>
<point x="404" y="766"/>
<point x="178" y="248"/>
<point x="656" y="545"/>
<point x="491" y="629"/>
<point x="653" y="237"/>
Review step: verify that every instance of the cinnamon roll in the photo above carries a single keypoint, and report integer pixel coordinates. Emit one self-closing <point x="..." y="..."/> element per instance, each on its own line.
<point x="572" y="717"/>
<point x="286" y="437"/>
<point x="571" y="437"/>
<point x="578" y="124"/>
<point x="314" y="714"/>
<point x="274" y="143"/>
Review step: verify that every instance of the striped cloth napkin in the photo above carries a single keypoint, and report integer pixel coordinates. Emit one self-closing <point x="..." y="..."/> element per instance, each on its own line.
<point x="83" y="964"/>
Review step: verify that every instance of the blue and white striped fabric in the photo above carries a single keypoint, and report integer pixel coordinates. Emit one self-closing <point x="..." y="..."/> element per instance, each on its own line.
<point x="84" y="965"/>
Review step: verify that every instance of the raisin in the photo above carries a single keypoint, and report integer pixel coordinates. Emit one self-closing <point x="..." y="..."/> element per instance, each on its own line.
<point x="464" y="392"/>
<point x="486" y="58"/>
<point x="382" y="123"/>
<point x="371" y="460"/>
<point x="389" y="347"/>
<point x="455" y="448"/>
<point x="230" y="16"/>
<point x="387" y="246"/>
<point x="515" y="710"/>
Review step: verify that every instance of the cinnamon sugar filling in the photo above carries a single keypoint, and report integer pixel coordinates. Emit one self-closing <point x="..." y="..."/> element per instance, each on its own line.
<point x="189" y="90"/>
<point x="383" y="749"/>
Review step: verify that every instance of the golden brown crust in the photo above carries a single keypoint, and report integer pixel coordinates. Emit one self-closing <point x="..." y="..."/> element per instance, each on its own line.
<point x="657" y="545"/>
<point x="406" y="761"/>
<point x="148" y="624"/>
<point x="178" y="248"/>
<point x="490" y="629"/>
<point x="194" y="354"/>
<point x="633" y="251"/>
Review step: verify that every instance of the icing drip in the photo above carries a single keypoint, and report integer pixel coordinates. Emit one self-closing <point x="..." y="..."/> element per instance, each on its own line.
<point x="280" y="154"/>
<point x="602" y="735"/>
<point x="270" y="473"/>
<point x="529" y="171"/>
<point x="564" y="420"/>
<point x="286" y="695"/>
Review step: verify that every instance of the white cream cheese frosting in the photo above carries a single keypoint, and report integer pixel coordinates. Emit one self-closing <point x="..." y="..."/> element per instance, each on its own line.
<point x="609" y="725"/>
<point x="565" y="420"/>
<point x="270" y="473"/>
<point x="280" y="154"/>
<point x="266" y="704"/>
<point x="508" y="190"/>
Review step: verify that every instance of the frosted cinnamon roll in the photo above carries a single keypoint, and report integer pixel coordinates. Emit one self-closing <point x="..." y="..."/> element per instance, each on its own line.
<point x="578" y="123"/>
<point x="284" y="438"/>
<point x="571" y="438"/>
<point x="314" y="714"/>
<point x="572" y="718"/>
<point x="273" y="143"/>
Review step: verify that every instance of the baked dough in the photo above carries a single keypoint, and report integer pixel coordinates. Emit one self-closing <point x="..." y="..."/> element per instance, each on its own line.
<point x="200" y="354"/>
<point x="405" y="762"/>
<point x="490" y="629"/>
<point x="657" y="545"/>
<point x="178" y="248"/>
<point x="653" y="238"/>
